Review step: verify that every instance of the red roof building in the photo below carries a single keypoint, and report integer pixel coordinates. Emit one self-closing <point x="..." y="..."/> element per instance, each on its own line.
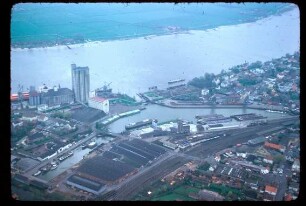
<point x="25" y="96"/>
<point x="14" y="97"/>
<point x="270" y="190"/>
<point x="99" y="103"/>
<point x="273" y="146"/>
<point x="288" y="197"/>
<point x="98" y="99"/>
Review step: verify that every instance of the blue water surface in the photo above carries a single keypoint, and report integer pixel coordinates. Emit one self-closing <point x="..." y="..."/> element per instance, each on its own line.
<point x="68" y="22"/>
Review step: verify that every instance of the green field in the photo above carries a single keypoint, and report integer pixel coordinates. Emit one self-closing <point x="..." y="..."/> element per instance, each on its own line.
<point x="180" y="193"/>
<point x="185" y="190"/>
<point x="173" y="197"/>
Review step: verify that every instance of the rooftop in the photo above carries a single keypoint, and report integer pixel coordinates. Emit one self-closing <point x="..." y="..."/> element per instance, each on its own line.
<point x="87" y="114"/>
<point x="105" y="169"/>
<point x="26" y="163"/>
<point x="273" y="146"/>
<point x="98" y="99"/>
<point x="85" y="182"/>
<point x="59" y="92"/>
<point x="270" y="189"/>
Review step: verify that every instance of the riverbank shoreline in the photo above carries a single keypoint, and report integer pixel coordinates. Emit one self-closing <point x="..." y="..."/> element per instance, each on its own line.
<point x="73" y="43"/>
<point x="131" y="64"/>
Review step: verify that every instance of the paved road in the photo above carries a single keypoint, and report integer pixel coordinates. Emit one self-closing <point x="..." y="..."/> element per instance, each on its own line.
<point x="281" y="182"/>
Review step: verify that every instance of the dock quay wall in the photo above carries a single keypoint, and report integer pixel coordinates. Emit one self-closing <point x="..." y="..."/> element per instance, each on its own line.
<point x="228" y="106"/>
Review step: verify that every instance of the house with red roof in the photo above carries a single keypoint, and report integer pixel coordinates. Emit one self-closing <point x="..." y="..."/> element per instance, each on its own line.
<point x="271" y="190"/>
<point x="274" y="146"/>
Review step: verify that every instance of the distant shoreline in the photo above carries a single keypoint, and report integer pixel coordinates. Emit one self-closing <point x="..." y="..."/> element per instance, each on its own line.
<point x="134" y="60"/>
<point x="78" y="42"/>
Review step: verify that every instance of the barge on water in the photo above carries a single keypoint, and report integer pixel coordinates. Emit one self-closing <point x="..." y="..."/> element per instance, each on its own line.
<point x="92" y="144"/>
<point x="37" y="173"/>
<point x="275" y="111"/>
<point x="248" y="116"/>
<point x="129" y="113"/>
<point x="110" y="120"/>
<point x="138" y="124"/>
<point x="209" y="116"/>
<point x="45" y="168"/>
<point x="65" y="156"/>
<point x="212" y="119"/>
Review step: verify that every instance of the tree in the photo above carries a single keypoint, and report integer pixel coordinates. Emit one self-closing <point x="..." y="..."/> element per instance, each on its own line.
<point x="204" y="166"/>
<point x="278" y="159"/>
<point x="230" y="195"/>
<point x="255" y="65"/>
<point x="205" y="81"/>
<point x="247" y="81"/>
<point x="235" y="69"/>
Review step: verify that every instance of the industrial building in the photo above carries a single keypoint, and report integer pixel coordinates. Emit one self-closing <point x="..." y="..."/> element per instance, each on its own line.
<point x="183" y="127"/>
<point x="80" y="83"/>
<point x="57" y="96"/>
<point x="34" y="98"/>
<point x="99" y="103"/>
<point x="85" y="184"/>
<point x="20" y="96"/>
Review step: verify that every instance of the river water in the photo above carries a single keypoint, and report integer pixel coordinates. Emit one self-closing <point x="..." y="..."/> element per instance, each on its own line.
<point x="163" y="114"/>
<point x="133" y="65"/>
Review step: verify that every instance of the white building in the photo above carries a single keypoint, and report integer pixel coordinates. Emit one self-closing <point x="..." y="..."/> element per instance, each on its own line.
<point x="296" y="165"/>
<point x="29" y="117"/>
<point x="42" y="107"/>
<point x="268" y="160"/>
<point x="99" y="103"/>
<point x="264" y="170"/>
<point x="205" y="92"/>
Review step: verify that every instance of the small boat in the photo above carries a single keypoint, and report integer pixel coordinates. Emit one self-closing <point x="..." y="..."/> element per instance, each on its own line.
<point x="83" y="146"/>
<point x="37" y="173"/>
<point x="54" y="166"/>
<point x="92" y="144"/>
<point x="45" y="169"/>
<point x="65" y="156"/>
<point x="274" y="111"/>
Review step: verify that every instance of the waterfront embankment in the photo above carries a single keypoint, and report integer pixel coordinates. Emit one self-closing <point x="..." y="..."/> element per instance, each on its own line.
<point x="175" y="104"/>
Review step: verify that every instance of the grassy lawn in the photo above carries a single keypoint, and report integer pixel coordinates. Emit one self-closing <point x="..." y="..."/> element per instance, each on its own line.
<point x="180" y="193"/>
<point x="185" y="190"/>
<point x="223" y="190"/>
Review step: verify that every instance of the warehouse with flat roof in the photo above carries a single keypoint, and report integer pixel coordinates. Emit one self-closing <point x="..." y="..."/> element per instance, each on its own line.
<point x="85" y="184"/>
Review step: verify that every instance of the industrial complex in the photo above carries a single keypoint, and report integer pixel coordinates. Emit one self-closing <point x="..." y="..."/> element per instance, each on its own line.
<point x="62" y="143"/>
